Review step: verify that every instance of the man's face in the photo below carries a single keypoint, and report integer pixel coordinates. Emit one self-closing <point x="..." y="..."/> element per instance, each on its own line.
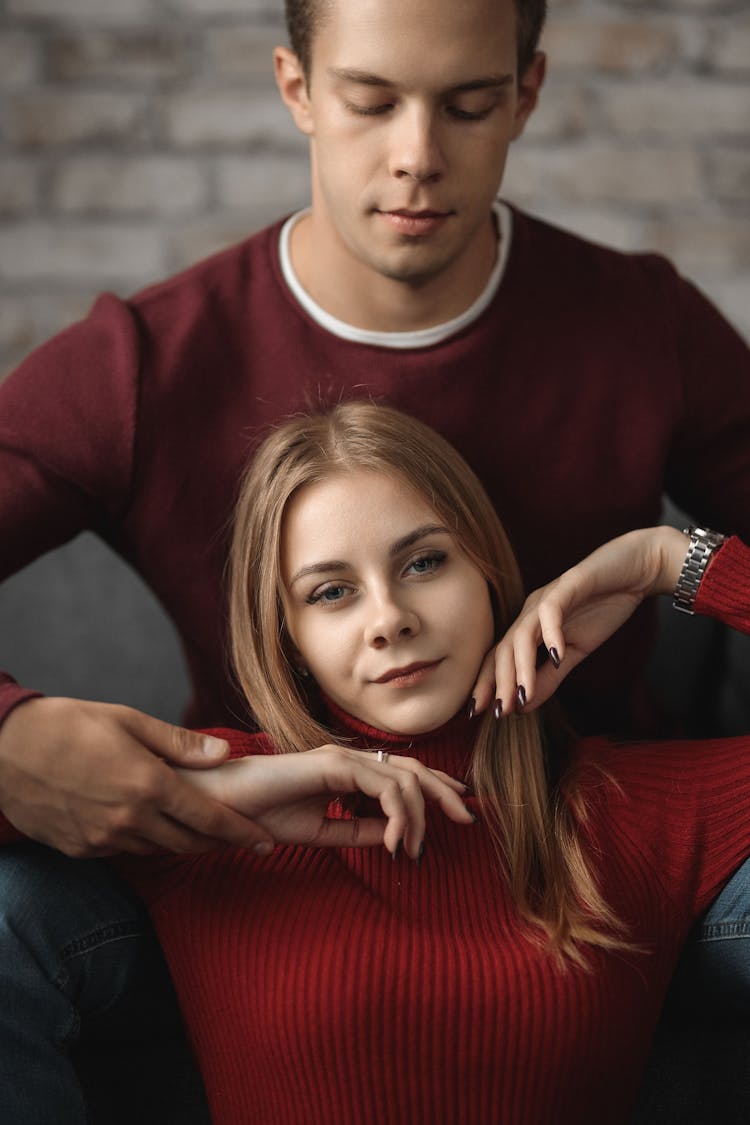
<point x="410" y="108"/>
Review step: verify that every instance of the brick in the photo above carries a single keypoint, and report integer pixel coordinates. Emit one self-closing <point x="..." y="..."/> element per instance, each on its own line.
<point x="69" y="11"/>
<point x="17" y="334"/>
<point x="55" y="309"/>
<point x="242" y="53"/>
<point x="20" y="59"/>
<point x="143" y="184"/>
<point x="732" y="297"/>
<point x="729" y="174"/>
<point x="268" y="185"/>
<point x="18" y="187"/>
<point x="564" y="110"/>
<point x="131" y="56"/>
<point x="597" y="172"/>
<point x="216" y="9"/>
<point x="611" y="45"/>
<point x="602" y="224"/>
<point x="92" y="253"/>
<point x="52" y="117"/>
<point x="729" y="45"/>
<point x="703" y="246"/>
<point x="694" y="109"/>
<point x="192" y="242"/>
<point x="212" y="119"/>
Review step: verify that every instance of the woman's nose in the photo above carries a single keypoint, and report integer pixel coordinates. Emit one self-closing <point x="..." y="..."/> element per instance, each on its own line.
<point x="391" y="621"/>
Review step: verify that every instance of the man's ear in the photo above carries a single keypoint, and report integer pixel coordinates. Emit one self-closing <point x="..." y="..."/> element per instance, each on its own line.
<point x="529" y="86"/>
<point x="292" y="84"/>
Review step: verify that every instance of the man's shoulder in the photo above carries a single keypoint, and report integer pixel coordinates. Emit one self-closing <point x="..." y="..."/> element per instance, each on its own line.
<point x="563" y="257"/>
<point x="225" y="274"/>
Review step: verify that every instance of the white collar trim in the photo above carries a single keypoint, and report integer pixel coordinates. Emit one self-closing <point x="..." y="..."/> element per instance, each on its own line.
<point x="420" y="338"/>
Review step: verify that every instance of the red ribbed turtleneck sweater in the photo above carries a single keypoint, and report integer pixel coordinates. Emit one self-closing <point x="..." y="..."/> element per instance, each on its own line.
<point x="333" y="987"/>
<point x="337" y="987"/>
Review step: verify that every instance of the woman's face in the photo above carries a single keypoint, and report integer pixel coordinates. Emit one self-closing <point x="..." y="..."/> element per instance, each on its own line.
<point x="385" y="610"/>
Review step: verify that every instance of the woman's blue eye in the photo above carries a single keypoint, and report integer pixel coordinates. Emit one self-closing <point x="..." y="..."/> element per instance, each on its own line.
<point x="327" y="595"/>
<point x="427" y="563"/>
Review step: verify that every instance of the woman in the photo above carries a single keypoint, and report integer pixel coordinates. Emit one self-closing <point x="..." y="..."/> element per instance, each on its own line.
<point x="514" y="970"/>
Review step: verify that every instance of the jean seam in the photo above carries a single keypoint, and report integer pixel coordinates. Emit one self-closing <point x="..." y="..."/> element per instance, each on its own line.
<point x="721" y="931"/>
<point x="102" y="935"/>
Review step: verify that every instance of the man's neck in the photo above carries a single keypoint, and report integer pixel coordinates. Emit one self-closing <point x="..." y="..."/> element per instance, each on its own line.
<point x="358" y="295"/>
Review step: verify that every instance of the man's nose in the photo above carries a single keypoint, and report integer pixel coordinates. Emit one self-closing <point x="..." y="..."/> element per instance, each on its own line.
<point x="416" y="153"/>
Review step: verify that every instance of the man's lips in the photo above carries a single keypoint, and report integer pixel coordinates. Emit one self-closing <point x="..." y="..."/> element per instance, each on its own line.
<point x="408" y="221"/>
<point x="409" y="673"/>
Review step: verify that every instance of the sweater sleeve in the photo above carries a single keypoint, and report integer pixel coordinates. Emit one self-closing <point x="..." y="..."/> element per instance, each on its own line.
<point x="67" y="430"/>
<point x="724" y="592"/>
<point x="678" y="814"/>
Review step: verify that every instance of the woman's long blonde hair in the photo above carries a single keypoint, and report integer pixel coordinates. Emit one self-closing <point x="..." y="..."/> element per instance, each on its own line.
<point x="535" y="827"/>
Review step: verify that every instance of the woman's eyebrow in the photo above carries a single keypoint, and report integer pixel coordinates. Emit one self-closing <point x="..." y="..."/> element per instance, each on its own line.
<point x="317" y="568"/>
<point x="413" y="537"/>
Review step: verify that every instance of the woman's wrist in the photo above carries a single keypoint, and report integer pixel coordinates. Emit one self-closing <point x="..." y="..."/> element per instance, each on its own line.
<point x="673" y="547"/>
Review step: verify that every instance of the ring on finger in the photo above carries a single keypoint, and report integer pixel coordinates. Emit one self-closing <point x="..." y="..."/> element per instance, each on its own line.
<point x="382" y="756"/>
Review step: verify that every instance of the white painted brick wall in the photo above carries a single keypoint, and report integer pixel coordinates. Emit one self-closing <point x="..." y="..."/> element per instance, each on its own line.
<point x="139" y="135"/>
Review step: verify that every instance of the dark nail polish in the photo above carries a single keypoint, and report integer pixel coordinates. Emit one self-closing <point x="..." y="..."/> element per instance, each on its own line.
<point x="473" y="815"/>
<point x="554" y="656"/>
<point x="420" y="853"/>
<point x="395" y="851"/>
<point x="497" y="710"/>
<point x="521" y="695"/>
<point x="471" y="709"/>
<point x="469" y="788"/>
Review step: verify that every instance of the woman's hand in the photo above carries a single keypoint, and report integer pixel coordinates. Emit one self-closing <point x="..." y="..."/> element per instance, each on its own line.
<point x="288" y="795"/>
<point x="575" y="613"/>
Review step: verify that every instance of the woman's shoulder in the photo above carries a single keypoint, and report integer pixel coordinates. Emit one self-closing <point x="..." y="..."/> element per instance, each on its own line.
<point x="682" y="786"/>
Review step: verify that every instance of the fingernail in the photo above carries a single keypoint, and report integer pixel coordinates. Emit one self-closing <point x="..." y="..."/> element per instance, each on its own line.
<point x="395" y="851"/>
<point x="213" y="747"/>
<point x="264" y="848"/>
<point x="554" y="656"/>
<point x="471" y="709"/>
<point x="469" y="788"/>
<point x="473" y="815"/>
<point x="497" y="710"/>
<point x="420" y="853"/>
<point x="521" y="695"/>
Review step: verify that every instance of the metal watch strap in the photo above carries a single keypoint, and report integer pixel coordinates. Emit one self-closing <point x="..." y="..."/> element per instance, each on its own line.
<point x="703" y="544"/>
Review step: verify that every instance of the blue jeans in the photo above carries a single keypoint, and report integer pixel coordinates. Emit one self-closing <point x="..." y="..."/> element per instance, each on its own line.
<point x="714" y="970"/>
<point x="78" y="961"/>
<point x="77" y="954"/>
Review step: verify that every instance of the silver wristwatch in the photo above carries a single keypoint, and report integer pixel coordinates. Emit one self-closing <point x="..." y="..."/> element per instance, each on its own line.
<point x="703" y="544"/>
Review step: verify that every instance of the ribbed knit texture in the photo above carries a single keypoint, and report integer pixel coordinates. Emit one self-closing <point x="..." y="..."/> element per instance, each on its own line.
<point x="334" y="987"/>
<point x="725" y="590"/>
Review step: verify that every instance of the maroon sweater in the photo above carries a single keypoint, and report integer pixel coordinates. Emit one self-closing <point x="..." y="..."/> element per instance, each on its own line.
<point x="330" y="987"/>
<point x="592" y="383"/>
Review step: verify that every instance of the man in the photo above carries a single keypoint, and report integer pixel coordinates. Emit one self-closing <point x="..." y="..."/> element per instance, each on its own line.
<point x="574" y="380"/>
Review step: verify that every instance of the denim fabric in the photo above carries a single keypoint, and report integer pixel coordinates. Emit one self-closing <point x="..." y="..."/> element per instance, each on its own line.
<point x="715" y="966"/>
<point x="75" y="954"/>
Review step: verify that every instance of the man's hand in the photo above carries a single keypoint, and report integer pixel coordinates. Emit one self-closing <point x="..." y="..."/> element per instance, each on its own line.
<point x="94" y="779"/>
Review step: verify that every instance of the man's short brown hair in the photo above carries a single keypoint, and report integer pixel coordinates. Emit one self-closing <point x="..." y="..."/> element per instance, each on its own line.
<point x="303" y="18"/>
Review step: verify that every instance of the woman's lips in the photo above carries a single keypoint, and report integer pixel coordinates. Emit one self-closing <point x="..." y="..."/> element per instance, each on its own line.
<point x="415" y="223"/>
<point x="409" y="675"/>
